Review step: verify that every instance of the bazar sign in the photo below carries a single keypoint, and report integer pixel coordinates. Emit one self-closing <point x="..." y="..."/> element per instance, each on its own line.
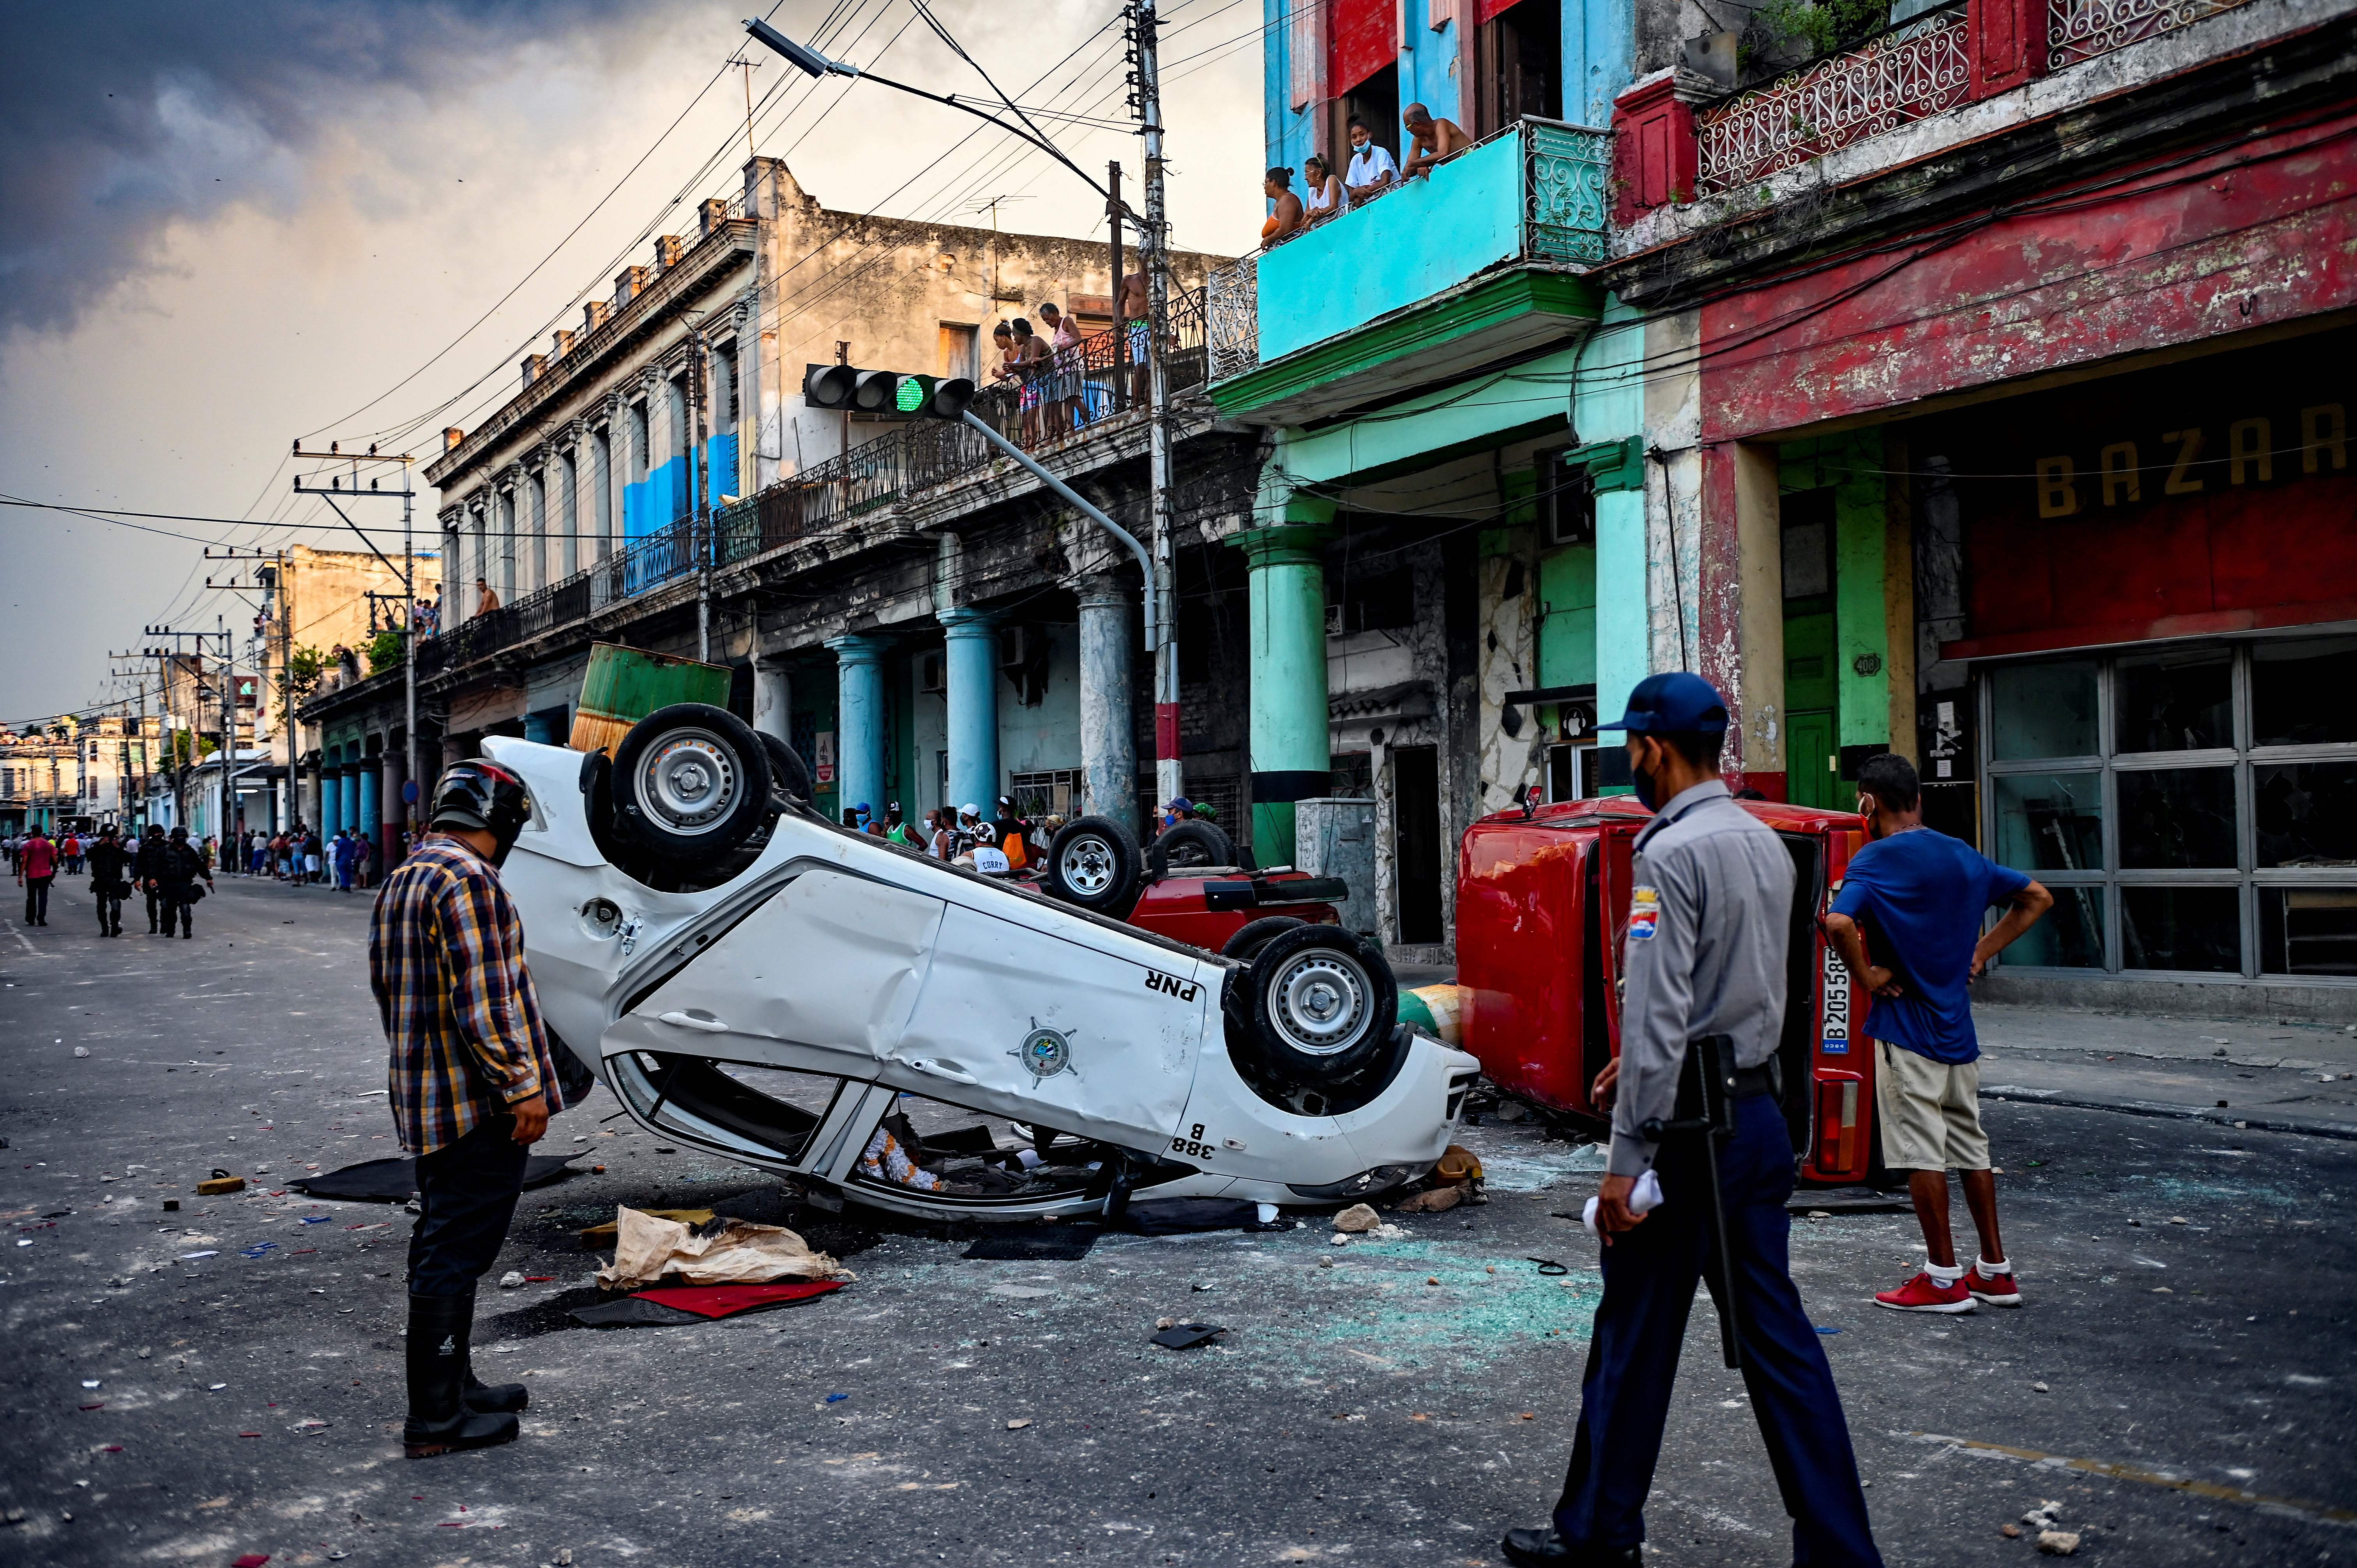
<point x="2195" y="460"/>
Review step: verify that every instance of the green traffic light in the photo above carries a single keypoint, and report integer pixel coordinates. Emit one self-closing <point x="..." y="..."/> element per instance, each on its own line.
<point x="911" y="397"/>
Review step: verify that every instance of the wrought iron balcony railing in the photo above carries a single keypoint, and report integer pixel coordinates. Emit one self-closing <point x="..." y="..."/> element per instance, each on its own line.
<point x="1917" y="69"/>
<point x="2079" y="30"/>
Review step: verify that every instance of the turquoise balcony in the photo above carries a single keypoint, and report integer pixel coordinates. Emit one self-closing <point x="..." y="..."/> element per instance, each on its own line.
<point x="1476" y="261"/>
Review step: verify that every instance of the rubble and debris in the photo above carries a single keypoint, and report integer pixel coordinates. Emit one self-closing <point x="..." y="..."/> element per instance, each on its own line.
<point x="2045" y="1515"/>
<point x="2057" y="1542"/>
<point x="1018" y="1424"/>
<point x="512" y="1280"/>
<point x="597" y="1238"/>
<point x="650" y="1250"/>
<point x="220" y="1184"/>
<point x="1432" y="1200"/>
<point x="1357" y="1219"/>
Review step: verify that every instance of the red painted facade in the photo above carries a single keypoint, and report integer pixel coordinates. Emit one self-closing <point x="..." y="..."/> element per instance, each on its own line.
<point x="2251" y="236"/>
<point x="1364" y="38"/>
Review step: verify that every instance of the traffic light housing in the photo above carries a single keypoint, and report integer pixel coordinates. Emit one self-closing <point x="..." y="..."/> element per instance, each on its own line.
<point x="847" y="389"/>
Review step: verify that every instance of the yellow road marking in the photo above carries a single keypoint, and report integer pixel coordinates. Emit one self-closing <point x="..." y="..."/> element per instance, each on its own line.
<point x="2150" y="1477"/>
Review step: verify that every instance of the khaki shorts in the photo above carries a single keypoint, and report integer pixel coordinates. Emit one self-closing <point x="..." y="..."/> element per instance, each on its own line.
<point x="1931" y="1111"/>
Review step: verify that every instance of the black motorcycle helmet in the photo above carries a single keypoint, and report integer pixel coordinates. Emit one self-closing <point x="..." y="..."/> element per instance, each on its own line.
<point x="481" y="795"/>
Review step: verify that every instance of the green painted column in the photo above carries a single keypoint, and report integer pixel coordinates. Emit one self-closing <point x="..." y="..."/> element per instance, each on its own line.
<point x="1290" y="761"/>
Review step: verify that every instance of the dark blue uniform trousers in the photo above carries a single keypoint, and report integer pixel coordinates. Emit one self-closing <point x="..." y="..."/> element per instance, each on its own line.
<point x="1649" y="1284"/>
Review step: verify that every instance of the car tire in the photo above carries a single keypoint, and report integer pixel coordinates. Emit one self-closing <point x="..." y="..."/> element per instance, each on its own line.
<point x="1253" y="935"/>
<point x="1189" y="844"/>
<point x="691" y="782"/>
<point x="787" y="771"/>
<point x="1322" y="1006"/>
<point x="1093" y="864"/>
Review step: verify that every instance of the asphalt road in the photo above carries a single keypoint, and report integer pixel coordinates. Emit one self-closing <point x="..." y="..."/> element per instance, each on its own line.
<point x="1356" y="1412"/>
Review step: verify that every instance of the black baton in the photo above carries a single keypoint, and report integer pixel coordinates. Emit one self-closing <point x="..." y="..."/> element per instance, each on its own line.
<point x="1714" y="1058"/>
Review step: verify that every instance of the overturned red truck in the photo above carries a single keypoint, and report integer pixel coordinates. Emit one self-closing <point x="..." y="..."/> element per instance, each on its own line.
<point x="1542" y="913"/>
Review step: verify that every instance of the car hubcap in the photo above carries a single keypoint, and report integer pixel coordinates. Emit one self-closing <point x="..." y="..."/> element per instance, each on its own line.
<point x="689" y="781"/>
<point x="1088" y="865"/>
<point x="1319" y="1002"/>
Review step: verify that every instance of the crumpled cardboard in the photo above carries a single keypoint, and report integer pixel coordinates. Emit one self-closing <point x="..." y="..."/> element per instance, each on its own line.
<point x="648" y="1250"/>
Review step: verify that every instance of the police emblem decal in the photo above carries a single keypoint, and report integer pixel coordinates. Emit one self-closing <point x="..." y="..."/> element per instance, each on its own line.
<point x="1044" y="1052"/>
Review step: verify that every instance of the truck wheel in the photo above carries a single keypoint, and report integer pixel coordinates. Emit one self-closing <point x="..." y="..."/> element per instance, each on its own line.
<point x="1093" y="864"/>
<point x="1253" y="935"/>
<point x="1187" y="846"/>
<point x="787" y="771"/>
<point x="690" y="782"/>
<point x="1323" y="1004"/>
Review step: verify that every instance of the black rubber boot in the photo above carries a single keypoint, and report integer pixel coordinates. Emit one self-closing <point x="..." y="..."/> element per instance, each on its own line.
<point x="496" y="1398"/>
<point x="439" y="1420"/>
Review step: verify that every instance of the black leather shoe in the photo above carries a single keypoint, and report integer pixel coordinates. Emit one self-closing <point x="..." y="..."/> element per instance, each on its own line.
<point x="1542" y="1546"/>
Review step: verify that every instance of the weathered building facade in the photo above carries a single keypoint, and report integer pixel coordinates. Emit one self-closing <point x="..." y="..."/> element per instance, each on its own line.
<point x="1970" y="387"/>
<point x="912" y="612"/>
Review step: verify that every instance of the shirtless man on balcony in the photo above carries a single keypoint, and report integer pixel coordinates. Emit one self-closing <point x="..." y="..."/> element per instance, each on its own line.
<point x="1434" y="141"/>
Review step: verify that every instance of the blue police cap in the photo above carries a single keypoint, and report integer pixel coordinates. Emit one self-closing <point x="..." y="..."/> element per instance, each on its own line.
<point x="1673" y="701"/>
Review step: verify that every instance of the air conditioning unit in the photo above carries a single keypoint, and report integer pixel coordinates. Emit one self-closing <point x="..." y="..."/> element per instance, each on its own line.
<point x="1018" y="646"/>
<point x="931" y="675"/>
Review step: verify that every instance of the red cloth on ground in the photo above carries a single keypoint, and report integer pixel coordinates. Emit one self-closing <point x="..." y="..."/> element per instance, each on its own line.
<point x="727" y="1301"/>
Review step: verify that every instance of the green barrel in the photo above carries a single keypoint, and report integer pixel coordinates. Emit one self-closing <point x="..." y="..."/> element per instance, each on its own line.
<point x="624" y="685"/>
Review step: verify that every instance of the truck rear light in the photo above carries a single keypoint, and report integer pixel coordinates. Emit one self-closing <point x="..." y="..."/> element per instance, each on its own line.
<point x="1836" y="1125"/>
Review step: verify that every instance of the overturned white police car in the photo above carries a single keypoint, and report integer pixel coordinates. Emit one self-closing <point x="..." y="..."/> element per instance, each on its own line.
<point x="759" y="982"/>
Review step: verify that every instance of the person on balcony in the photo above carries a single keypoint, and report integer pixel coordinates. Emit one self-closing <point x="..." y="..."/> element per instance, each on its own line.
<point x="1373" y="170"/>
<point x="1326" y="196"/>
<point x="1137" y="312"/>
<point x="1067" y="412"/>
<point x="1432" y="141"/>
<point x="485" y="601"/>
<point x="1031" y="371"/>
<point x="1285" y="216"/>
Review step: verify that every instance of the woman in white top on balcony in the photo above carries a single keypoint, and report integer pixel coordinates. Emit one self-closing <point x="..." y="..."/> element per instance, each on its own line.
<point x="1327" y="196"/>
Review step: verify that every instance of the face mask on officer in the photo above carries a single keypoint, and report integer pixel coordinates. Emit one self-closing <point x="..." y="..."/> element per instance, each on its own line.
<point x="1649" y="788"/>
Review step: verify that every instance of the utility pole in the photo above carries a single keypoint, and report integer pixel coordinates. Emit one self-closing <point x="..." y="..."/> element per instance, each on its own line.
<point x="1120" y="330"/>
<point x="336" y="490"/>
<point x="699" y="493"/>
<point x="269" y="570"/>
<point x="228" y="693"/>
<point x="136" y="816"/>
<point x="1169" y="771"/>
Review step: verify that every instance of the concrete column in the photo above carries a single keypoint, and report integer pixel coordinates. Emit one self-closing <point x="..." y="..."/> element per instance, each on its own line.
<point x="859" y="719"/>
<point x="347" y="805"/>
<point x="371" y="801"/>
<point x="969" y="667"/>
<point x="1621" y="623"/>
<point x="394" y="816"/>
<point x="331" y="796"/>
<point x="307" y="804"/>
<point x="1290" y="756"/>
<point x="1760" y="551"/>
<point x="773" y="699"/>
<point x="1108" y="731"/>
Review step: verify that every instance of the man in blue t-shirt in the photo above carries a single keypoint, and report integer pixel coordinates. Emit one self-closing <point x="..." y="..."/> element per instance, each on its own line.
<point x="1916" y="897"/>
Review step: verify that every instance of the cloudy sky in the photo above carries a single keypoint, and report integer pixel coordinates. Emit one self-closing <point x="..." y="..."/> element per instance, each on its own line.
<point x="225" y="225"/>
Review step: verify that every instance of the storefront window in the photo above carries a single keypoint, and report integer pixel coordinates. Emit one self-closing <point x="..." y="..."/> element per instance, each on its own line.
<point x="2245" y="865"/>
<point x="2175" y="702"/>
<point x="2306" y="813"/>
<point x="2181" y="928"/>
<point x="2304" y="693"/>
<point x="2177" y="818"/>
<point x="2308" y="930"/>
<point x="2043" y="710"/>
<point x="2049" y="822"/>
<point x="2070" y="936"/>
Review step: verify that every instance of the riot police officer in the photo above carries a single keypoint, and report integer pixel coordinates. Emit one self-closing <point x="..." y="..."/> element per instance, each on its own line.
<point x="1710" y="903"/>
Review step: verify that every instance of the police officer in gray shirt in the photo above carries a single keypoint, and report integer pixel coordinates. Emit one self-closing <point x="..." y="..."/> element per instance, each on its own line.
<point x="1710" y="910"/>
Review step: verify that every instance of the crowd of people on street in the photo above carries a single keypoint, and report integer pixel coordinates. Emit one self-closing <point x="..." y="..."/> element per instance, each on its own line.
<point x="166" y="866"/>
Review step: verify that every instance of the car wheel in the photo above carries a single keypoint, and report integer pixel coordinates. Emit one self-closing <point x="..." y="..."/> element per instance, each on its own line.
<point x="1323" y="1004"/>
<point x="1190" y="845"/>
<point x="1093" y="864"/>
<point x="1253" y="935"/>
<point x="690" y="782"/>
<point x="787" y="771"/>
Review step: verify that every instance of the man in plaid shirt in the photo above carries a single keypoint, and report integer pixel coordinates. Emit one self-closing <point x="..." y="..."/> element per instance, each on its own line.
<point x="473" y="1085"/>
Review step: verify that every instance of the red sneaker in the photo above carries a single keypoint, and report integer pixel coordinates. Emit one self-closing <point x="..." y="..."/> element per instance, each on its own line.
<point x="1924" y="1294"/>
<point x="1997" y="1290"/>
